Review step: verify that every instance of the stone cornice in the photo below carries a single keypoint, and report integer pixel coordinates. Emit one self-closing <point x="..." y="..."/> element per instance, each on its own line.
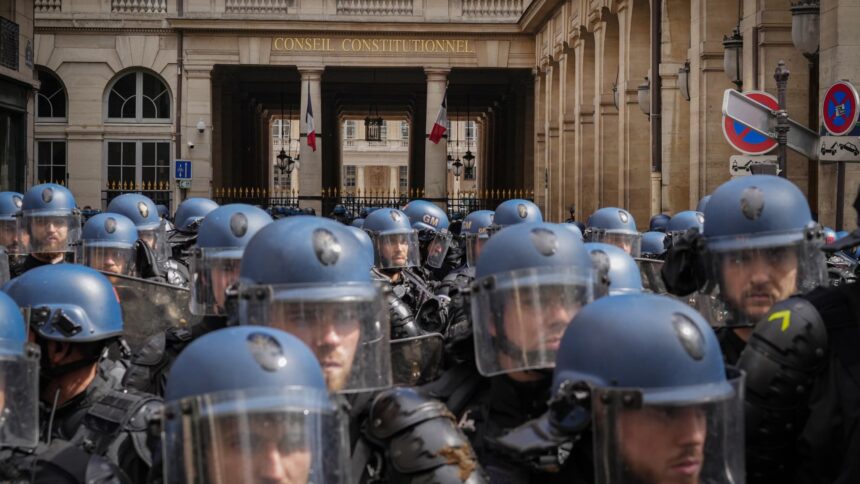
<point x="538" y="14"/>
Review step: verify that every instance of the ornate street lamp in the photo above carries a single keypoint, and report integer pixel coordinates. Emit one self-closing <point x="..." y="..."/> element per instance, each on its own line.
<point x="733" y="58"/>
<point x="805" y="27"/>
<point x="684" y="80"/>
<point x="458" y="168"/>
<point x="643" y="95"/>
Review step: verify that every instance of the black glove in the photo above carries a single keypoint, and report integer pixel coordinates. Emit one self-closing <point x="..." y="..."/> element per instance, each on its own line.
<point x="685" y="270"/>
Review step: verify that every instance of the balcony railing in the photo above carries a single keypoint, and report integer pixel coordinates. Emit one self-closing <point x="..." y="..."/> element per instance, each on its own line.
<point x="259" y="6"/>
<point x="374" y="7"/>
<point x="387" y="145"/>
<point x="9" y="32"/>
<point x="138" y="6"/>
<point x="49" y="6"/>
<point x="494" y="8"/>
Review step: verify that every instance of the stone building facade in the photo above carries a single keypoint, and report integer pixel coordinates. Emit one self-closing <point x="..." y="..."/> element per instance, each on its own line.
<point x="17" y="92"/>
<point x="552" y="85"/>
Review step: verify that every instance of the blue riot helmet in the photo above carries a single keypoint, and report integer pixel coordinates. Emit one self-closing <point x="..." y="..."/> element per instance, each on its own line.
<point x="68" y="302"/>
<point x="143" y="212"/>
<point x="394" y="240"/>
<point x="653" y="245"/>
<point x="614" y="226"/>
<point x="10" y="208"/>
<point x="762" y="247"/>
<point x="841" y="233"/>
<point x="215" y="259"/>
<point x="424" y="215"/>
<point x="310" y="276"/>
<point x="700" y="207"/>
<point x="530" y="280"/>
<point x="516" y="211"/>
<point x="19" y="379"/>
<point x="614" y="269"/>
<point x="574" y="229"/>
<point x="107" y="243"/>
<point x="476" y="231"/>
<point x="658" y="222"/>
<point x="162" y="211"/>
<point x="682" y="222"/>
<point x="664" y="407"/>
<point x="249" y="404"/>
<point x="190" y="213"/>
<point x="357" y="222"/>
<point x="339" y="210"/>
<point x="50" y="222"/>
<point x="365" y="241"/>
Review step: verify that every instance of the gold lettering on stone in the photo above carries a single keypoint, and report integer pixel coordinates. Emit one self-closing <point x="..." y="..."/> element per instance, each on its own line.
<point x="372" y="45"/>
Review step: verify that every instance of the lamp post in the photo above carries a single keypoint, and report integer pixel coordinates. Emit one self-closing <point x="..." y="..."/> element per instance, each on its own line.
<point x="733" y="57"/>
<point x="781" y="77"/>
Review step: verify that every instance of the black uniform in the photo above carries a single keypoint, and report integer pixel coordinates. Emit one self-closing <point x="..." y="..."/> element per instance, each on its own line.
<point x="150" y="365"/>
<point x="105" y="420"/>
<point x="57" y="463"/>
<point x="30" y="262"/>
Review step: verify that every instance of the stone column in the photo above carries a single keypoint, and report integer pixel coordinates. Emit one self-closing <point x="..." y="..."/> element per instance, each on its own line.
<point x="552" y="152"/>
<point x="393" y="178"/>
<point x="359" y="178"/>
<point x="567" y="130"/>
<point x="198" y="106"/>
<point x="676" y="109"/>
<point x="310" y="173"/>
<point x="435" y="168"/>
<point x="540" y="142"/>
<point x="586" y="197"/>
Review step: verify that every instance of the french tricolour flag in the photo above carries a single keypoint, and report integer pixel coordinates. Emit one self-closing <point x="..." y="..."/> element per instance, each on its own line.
<point x="440" y="126"/>
<point x="309" y="121"/>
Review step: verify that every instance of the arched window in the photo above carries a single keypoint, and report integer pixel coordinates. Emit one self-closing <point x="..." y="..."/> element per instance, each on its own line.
<point x="51" y="98"/>
<point x="138" y="96"/>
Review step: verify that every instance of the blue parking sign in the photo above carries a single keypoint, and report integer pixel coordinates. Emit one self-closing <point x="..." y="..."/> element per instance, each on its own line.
<point x="183" y="170"/>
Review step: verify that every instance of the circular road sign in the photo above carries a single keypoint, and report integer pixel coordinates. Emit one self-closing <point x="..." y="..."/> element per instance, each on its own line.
<point x="745" y="139"/>
<point x="839" y="111"/>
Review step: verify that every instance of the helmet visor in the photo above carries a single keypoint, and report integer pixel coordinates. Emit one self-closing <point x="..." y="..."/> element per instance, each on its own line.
<point x="213" y="270"/>
<point x="474" y="244"/>
<point x="156" y="239"/>
<point x="744" y="283"/>
<point x="651" y="272"/>
<point x="346" y="326"/>
<point x="12" y="238"/>
<point x="108" y="257"/>
<point x="19" y="397"/>
<point x="690" y="434"/>
<point x="50" y="232"/>
<point x="628" y="242"/>
<point x="292" y="434"/>
<point x="417" y="360"/>
<point x="4" y="267"/>
<point x="520" y="317"/>
<point x="396" y="250"/>
<point x="437" y="250"/>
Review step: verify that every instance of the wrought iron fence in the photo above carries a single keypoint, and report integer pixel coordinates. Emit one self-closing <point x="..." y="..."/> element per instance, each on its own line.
<point x="458" y="204"/>
<point x="160" y="193"/>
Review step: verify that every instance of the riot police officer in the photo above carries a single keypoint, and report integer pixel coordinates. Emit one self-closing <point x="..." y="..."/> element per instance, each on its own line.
<point x="515" y="211"/>
<point x="10" y="208"/>
<point x="23" y="458"/>
<point x="221" y="241"/>
<point x="311" y="277"/>
<point x="653" y="245"/>
<point x="154" y="254"/>
<point x="435" y="240"/>
<point x="681" y="222"/>
<point x="614" y="226"/>
<point x="187" y="219"/>
<point x="642" y="377"/>
<point x="50" y="224"/>
<point x="658" y="222"/>
<point x="530" y="280"/>
<point x="247" y="405"/>
<point x="762" y="247"/>
<point x="74" y="316"/>
<point x="615" y="272"/>
<point x="108" y="244"/>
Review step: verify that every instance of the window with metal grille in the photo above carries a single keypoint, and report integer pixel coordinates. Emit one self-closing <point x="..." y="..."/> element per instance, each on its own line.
<point x="9" y="33"/>
<point x="404" y="130"/>
<point x="470" y="130"/>
<point x="349" y="176"/>
<point x="349" y="129"/>
<point x="51" y="98"/>
<point x="51" y="161"/>
<point x="138" y="162"/>
<point x="138" y="96"/>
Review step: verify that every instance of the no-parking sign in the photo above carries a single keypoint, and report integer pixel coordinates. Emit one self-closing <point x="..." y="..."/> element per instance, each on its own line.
<point x="839" y="110"/>
<point x="745" y="139"/>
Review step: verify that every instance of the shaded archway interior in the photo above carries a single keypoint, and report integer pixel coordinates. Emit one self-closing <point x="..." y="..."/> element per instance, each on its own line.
<point x="246" y="97"/>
